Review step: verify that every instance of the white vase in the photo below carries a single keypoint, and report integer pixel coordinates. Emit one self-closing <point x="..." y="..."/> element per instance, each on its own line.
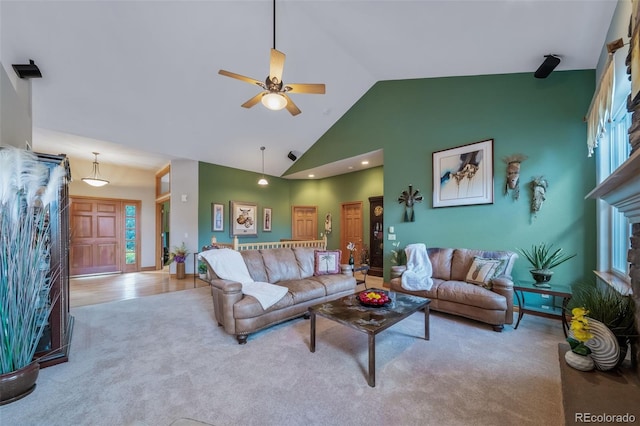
<point x="579" y="362"/>
<point x="605" y="349"/>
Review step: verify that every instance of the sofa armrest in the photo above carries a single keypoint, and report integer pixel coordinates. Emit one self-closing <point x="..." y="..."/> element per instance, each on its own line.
<point x="226" y="294"/>
<point x="503" y="285"/>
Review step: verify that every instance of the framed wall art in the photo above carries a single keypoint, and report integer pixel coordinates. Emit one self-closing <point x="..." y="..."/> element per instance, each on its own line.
<point x="217" y="217"/>
<point x="266" y="219"/>
<point x="463" y="176"/>
<point x="242" y="218"/>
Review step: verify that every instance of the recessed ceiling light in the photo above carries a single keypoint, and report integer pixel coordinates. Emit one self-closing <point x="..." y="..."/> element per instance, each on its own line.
<point x="350" y="167"/>
<point x="312" y="176"/>
<point x="364" y="163"/>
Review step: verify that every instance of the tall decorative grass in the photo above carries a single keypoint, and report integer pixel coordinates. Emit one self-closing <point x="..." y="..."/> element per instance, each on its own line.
<point x="27" y="189"/>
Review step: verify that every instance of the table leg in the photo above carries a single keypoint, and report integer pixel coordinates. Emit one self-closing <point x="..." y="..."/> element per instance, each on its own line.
<point x="372" y="360"/>
<point x="520" y="298"/>
<point x="565" y="324"/>
<point x="312" y="336"/>
<point x="426" y="322"/>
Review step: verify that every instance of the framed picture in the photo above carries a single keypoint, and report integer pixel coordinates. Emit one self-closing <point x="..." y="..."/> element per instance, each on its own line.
<point x="266" y="219"/>
<point x="217" y="217"/>
<point x="242" y="219"/>
<point x="464" y="175"/>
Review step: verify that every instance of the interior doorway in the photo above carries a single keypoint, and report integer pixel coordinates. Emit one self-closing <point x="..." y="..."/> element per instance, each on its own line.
<point x="351" y="228"/>
<point x="304" y="223"/>
<point x="162" y="232"/>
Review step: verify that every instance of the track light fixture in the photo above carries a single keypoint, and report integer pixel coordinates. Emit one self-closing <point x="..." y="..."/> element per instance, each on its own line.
<point x="95" y="179"/>
<point x="262" y="180"/>
<point x="29" y="70"/>
<point x="549" y="64"/>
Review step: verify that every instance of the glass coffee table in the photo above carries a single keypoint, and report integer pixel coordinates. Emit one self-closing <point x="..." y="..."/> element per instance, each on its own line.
<point x="370" y="320"/>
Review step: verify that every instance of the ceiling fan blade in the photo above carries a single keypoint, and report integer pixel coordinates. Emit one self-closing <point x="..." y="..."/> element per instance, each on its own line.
<point x="276" y="65"/>
<point x="291" y="107"/>
<point x="251" y="102"/>
<point x="318" y="89"/>
<point x="241" y="77"/>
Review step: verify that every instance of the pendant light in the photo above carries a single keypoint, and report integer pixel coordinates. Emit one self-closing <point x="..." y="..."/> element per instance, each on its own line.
<point x="262" y="180"/>
<point x="95" y="179"/>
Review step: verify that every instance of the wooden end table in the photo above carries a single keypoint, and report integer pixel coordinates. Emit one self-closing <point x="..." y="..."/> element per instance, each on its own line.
<point x="370" y="320"/>
<point x="555" y="290"/>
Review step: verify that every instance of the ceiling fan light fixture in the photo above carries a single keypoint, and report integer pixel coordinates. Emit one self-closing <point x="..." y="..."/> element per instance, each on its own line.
<point x="95" y="179"/>
<point x="274" y="101"/>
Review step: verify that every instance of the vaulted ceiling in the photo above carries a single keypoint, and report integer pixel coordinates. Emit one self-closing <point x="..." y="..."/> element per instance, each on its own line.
<point x="138" y="80"/>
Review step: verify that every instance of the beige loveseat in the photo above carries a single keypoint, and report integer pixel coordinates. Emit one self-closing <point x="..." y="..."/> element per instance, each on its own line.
<point x="450" y="292"/>
<point x="291" y="267"/>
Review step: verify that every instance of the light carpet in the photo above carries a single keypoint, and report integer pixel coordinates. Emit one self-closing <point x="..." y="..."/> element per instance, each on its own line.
<point x="153" y="360"/>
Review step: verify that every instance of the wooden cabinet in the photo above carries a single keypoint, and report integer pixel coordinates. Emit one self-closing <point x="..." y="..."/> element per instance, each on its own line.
<point x="54" y="344"/>
<point x="376" y="236"/>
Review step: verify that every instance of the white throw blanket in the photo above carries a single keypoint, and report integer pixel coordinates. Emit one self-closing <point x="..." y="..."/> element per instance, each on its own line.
<point x="229" y="265"/>
<point x="419" y="269"/>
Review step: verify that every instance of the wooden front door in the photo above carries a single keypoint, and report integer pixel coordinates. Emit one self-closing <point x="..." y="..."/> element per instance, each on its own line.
<point x="351" y="229"/>
<point x="95" y="236"/>
<point x="304" y="224"/>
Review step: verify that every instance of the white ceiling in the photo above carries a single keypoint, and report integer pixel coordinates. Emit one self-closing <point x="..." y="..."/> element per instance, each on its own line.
<point x="137" y="80"/>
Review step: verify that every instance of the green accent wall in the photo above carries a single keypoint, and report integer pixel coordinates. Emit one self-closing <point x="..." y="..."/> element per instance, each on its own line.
<point x="221" y="185"/>
<point x="411" y="119"/>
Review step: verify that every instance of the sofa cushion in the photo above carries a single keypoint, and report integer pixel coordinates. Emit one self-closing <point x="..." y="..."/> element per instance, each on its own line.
<point x="482" y="271"/>
<point x="249" y="307"/>
<point x="472" y="295"/>
<point x="303" y="290"/>
<point x="306" y="260"/>
<point x="255" y="265"/>
<point x="336" y="283"/>
<point x="463" y="258"/>
<point x="280" y="264"/>
<point x="441" y="262"/>
<point x="327" y="262"/>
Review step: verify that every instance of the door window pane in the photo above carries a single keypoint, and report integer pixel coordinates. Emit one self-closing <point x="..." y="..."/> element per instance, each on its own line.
<point x="130" y="234"/>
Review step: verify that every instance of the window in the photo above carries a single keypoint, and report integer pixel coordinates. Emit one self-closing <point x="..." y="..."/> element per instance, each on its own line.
<point x="615" y="229"/>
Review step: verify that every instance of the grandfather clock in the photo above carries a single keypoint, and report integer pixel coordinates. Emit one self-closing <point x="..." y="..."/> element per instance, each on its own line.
<point x="376" y="235"/>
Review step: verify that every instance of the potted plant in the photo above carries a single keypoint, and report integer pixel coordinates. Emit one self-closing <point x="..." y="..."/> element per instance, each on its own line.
<point x="611" y="308"/>
<point x="202" y="270"/>
<point x="27" y="189"/>
<point x="398" y="260"/>
<point x="543" y="259"/>
<point x="179" y="255"/>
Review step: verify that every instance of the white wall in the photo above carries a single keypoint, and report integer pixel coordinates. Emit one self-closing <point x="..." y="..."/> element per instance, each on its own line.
<point x="183" y="219"/>
<point x="124" y="183"/>
<point x="15" y="109"/>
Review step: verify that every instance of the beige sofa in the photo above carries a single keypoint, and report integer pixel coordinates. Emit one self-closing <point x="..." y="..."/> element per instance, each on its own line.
<point x="452" y="294"/>
<point x="291" y="267"/>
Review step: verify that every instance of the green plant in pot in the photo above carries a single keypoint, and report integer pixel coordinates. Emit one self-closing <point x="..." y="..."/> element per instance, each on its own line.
<point x="543" y="258"/>
<point x="611" y="308"/>
<point x="27" y="189"/>
<point x="398" y="260"/>
<point x="202" y="270"/>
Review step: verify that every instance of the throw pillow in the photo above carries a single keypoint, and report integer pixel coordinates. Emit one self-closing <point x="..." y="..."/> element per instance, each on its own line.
<point x="327" y="262"/>
<point x="482" y="271"/>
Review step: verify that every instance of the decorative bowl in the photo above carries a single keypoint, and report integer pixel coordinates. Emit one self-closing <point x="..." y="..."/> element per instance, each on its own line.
<point x="374" y="298"/>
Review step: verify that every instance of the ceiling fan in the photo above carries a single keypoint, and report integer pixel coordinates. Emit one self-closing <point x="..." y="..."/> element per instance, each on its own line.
<point x="275" y="93"/>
